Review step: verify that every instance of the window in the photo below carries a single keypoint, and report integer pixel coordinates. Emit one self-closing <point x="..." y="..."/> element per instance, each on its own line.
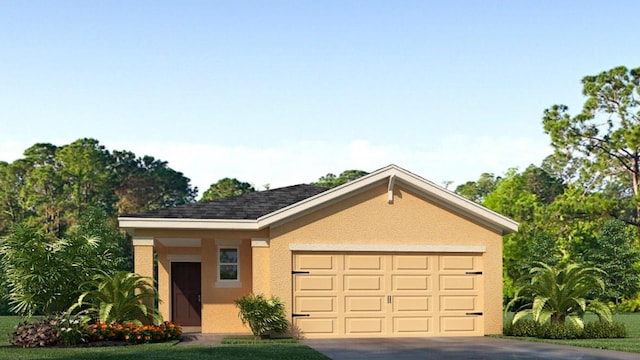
<point x="228" y="262"/>
<point x="228" y="258"/>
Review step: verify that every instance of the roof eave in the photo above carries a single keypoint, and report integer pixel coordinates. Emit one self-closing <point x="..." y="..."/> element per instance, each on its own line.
<point x="186" y="224"/>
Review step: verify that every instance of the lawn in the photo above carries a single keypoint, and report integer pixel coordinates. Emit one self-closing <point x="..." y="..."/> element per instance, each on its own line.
<point x="630" y="344"/>
<point x="282" y="351"/>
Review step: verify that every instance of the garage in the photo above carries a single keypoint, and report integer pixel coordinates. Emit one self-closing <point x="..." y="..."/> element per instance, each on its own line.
<point x="391" y="294"/>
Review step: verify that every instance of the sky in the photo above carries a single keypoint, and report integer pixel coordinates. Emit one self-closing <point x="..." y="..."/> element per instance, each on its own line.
<point x="284" y="92"/>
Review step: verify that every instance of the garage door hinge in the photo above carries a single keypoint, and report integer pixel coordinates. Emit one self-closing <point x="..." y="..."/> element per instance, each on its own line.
<point x="474" y="313"/>
<point x="473" y="273"/>
<point x="295" y="272"/>
<point x="299" y="315"/>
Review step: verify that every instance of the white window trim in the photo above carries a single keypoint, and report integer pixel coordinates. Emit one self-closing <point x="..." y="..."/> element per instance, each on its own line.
<point x="226" y="283"/>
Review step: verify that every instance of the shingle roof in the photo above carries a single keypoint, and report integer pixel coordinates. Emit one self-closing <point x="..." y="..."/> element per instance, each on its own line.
<point x="249" y="206"/>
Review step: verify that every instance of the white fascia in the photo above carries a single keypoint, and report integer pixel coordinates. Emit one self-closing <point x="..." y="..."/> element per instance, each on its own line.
<point x="187" y="224"/>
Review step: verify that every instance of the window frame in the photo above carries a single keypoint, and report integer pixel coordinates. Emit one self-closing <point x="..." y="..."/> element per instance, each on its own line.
<point x="228" y="245"/>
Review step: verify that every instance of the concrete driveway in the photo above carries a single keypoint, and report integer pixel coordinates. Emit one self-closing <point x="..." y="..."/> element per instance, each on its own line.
<point x="455" y="348"/>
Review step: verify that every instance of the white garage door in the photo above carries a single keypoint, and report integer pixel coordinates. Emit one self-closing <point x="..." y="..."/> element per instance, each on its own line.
<point x="390" y="294"/>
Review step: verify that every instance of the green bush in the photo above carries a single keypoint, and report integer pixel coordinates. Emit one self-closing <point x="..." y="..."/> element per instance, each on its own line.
<point x="630" y="305"/>
<point x="522" y="328"/>
<point x="262" y="315"/>
<point x="604" y="330"/>
<point x="72" y="328"/>
<point x="553" y="330"/>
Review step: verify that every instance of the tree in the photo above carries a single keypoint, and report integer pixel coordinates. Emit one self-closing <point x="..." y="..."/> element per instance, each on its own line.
<point x="478" y="190"/>
<point x="145" y="183"/>
<point x="560" y="293"/>
<point x="603" y="140"/>
<point x="616" y="253"/>
<point x="85" y="169"/>
<point x="331" y="181"/>
<point x="225" y="188"/>
<point x="41" y="193"/>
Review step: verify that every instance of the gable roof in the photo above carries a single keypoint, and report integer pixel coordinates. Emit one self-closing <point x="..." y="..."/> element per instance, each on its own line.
<point x="250" y="206"/>
<point x="303" y="199"/>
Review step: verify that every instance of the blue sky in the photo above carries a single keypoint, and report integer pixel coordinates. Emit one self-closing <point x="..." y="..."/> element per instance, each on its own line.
<point x="284" y="92"/>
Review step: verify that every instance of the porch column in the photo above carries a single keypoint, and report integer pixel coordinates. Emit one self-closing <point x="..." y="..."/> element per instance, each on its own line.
<point x="260" y="266"/>
<point x="143" y="260"/>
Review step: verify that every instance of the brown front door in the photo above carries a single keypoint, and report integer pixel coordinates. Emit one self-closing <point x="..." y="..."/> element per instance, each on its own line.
<point x="185" y="293"/>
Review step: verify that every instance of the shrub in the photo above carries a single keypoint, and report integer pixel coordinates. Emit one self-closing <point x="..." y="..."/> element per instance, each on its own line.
<point x="522" y="328"/>
<point x="262" y="315"/>
<point x="560" y="293"/>
<point x="72" y="328"/>
<point x="630" y="305"/>
<point x="37" y="334"/>
<point x="604" y="330"/>
<point x="119" y="298"/>
<point x="554" y="330"/>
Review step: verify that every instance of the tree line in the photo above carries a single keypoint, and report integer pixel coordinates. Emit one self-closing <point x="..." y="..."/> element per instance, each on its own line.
<point x="581" y="204"/>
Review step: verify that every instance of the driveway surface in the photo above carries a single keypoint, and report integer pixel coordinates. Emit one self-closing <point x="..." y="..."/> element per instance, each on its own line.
<point x="455" y="348"/>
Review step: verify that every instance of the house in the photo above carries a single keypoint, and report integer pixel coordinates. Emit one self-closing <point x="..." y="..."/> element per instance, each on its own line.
<point x="388" y="254"/>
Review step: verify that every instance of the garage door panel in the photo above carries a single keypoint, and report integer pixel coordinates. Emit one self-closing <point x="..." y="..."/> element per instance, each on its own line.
<point x="315" y="283"/>
<point x="457" y="263"/>
<point x="316" y="304"/>
<point x="363" y="262"/>
<point x="410" y="282"/>
<point x="414" y="325"/>
<point x="314" y="326"/>
<point x="458" y="324"/>
<point x="458" y="303"/>
<point x="412" y="303"/>
<point x="363" y="283"/>
<point x="308" y="262"/>
<point x="365" y="326"/>
<point x="364" y="303"/>
<point x="412" y="262"/>
<point x="457" y="283"/>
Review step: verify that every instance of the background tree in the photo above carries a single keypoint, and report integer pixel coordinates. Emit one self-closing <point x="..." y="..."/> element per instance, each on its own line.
<point x="145" y="183"/>
<point x="331" y="181"/>
<point x="615" y="252"/>
<point x="478" y="190"/>
<point x="85" y="170"/>
<point x="225" y="188"/>
<point x="603" y="140"/>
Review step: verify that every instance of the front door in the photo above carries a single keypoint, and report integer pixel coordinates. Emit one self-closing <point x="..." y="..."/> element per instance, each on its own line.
<point x="185" y="293"/>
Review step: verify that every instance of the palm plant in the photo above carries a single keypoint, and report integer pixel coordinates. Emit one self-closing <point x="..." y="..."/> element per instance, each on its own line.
<point x="560" y="294"/>
<point x="262" y="315"/>
<point x="119" y="297"/>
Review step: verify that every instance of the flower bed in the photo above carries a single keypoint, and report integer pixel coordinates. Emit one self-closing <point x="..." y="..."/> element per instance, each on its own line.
<point x="132" y="333"/>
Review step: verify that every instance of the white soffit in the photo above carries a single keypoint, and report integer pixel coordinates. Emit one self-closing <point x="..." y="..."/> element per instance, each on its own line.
<point x="180" y="242"/>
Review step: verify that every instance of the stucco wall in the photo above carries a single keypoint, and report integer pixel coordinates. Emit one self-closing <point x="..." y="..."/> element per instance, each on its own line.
<point x="368" y="219"/>
<point x="219" y="314"/>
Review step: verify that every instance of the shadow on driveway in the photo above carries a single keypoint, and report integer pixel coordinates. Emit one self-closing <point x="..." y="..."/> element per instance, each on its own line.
<point x="455" y="348"/>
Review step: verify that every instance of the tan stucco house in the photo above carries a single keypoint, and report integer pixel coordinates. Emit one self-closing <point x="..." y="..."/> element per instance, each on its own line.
<point x="388" y="254"/>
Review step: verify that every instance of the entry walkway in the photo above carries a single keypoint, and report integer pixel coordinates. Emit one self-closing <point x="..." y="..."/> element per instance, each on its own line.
<point x="456" y="348"/>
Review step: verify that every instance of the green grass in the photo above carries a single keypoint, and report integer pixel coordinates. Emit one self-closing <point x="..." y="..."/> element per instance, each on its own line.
<point x="281" y="351"/>
<point x="249" y="340"/>
<point x="630" y="344"/>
